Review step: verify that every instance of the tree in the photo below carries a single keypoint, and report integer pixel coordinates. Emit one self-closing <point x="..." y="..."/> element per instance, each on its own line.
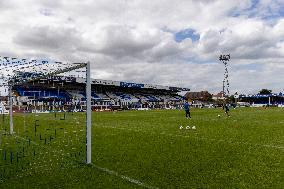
<point x="231" y="99"/>
<point x="265" y="91"/>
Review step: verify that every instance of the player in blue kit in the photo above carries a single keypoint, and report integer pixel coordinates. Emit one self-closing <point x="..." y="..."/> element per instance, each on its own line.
<point x="186" y="107"/>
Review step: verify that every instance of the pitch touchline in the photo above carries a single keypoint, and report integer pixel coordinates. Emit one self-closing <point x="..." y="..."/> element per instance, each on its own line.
<point x="111" y="172"/>
<point x="202" y="138"/>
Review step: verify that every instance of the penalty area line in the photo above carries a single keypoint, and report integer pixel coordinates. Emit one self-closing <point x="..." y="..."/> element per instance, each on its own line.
<point x="131" y="180"/>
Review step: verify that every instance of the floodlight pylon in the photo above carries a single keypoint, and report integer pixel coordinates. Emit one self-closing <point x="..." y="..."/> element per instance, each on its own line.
<point x="225" y="59"/>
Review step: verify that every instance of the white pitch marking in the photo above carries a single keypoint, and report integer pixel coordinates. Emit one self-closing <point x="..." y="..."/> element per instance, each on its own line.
<point x="134" y="181"/>
<point x="16" y="136"/>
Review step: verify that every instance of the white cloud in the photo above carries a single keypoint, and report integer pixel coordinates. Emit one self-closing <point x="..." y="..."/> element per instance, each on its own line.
<point x="134" y="40"/>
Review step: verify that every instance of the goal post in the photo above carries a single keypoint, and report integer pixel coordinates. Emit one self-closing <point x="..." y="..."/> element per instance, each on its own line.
<point x="88" y="114"/>
<point x="11" y="110"/>
<point x="15" y="78"/>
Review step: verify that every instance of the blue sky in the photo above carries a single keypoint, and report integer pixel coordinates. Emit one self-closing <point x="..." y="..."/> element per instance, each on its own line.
<point x="187" y="33"/>
<point x="266" y="10"/>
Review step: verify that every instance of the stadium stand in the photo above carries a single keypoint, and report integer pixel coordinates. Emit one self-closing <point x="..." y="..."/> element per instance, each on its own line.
<point x="258" y="100"/>
<point x="75" y="94"/>
<point x="61" y="93"/>
<point x="42" y="92"/>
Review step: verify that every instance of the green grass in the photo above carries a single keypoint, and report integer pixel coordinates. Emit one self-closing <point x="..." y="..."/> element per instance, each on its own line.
<point x="245" y="150"/>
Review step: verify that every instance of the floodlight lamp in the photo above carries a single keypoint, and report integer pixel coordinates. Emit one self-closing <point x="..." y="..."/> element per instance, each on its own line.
<point x="224" y="57"/>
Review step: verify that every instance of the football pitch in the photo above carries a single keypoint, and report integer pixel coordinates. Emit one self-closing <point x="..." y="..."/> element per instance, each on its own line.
<point x="145" y="149"/>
